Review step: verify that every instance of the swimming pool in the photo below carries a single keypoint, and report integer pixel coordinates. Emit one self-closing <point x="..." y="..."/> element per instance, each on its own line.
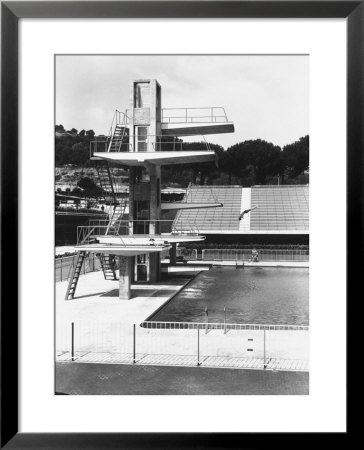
<point x="250" y="295"/>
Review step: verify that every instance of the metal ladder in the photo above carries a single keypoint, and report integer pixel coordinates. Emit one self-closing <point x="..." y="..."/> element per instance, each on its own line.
<point x="75" y="275"/>
<point x="115" y="220"/>
<point x="108" y="267"/>
<point x="105" y="178"/>
<point x="117" y="138"/>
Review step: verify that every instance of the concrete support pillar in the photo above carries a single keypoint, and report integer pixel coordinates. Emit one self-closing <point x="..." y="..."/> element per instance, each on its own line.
<point x="173" y="254"/>
<point x="125" y="275"/>
<point x="155" y="198"/>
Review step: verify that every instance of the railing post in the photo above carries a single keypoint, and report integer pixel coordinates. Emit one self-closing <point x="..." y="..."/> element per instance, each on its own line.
<point x="207" y="319"/>
<point x="72" y="341"/>
<point x="134" y="354"/>
<point x="264" y="364"/>
<point x="61" y="268"/>
<point x="198" y="345"/>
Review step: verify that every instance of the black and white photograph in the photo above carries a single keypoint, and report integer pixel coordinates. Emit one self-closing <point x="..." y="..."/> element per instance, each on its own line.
<point x="182" y="224"/>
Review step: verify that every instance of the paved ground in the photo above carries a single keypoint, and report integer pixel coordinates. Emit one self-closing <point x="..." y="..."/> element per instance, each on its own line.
<point x="185" y="360"/>
<point x="97" y="299"/>
<point x="113" y="379"/>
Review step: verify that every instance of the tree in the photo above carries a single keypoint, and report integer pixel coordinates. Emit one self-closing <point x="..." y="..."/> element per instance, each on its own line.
<point x="86" y="184"/>
<point x="90" y="134"/>
<point x="77" y="192"/>
<point x="60" y="129"/>
<point x="255" y="159"/>
<point x="90" y="189"/>
<point x="296" y="157"/>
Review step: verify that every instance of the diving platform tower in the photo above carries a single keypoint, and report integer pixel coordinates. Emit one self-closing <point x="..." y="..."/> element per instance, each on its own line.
<point x="143" y="139"/>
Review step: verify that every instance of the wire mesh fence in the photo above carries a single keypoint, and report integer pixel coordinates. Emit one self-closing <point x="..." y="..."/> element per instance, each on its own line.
<point x="258" y="346"/>
<point x="247" y="255"/>
<point x="63" y="266"/>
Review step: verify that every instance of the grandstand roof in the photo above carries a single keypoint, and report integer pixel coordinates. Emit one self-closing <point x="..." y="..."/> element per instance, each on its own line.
<point x="280" y="210"/>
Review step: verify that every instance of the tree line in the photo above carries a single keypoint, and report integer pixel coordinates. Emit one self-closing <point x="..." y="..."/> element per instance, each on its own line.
<point x="246" y="163"/>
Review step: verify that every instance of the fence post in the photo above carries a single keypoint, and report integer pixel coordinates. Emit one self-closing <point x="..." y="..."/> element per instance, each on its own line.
<point x="198" y="345"/>
<point x="72" y="341"/>
<point x="224" y="319"/>
<point x="264" y="364"/>
<point x="207" y="319"/>
<point x="134" y="357"/>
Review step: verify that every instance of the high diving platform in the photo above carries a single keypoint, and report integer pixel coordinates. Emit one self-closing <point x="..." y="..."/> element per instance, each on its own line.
<point x="182" y="129"/>
<point x="135" y="159"/>
<point x="126" y="249"/>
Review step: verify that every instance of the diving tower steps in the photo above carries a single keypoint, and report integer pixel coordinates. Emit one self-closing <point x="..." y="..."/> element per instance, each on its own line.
<point x="117" y="138"/>
<point x="75" y="275"/>
<point x="105" y="178"/>
<point x="107" y="266"/>
<point x="116" y="218"/>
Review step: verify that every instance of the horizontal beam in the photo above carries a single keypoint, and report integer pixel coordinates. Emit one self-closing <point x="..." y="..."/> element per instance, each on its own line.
<point x="157" y="158"/>
<point x="193" y="129"/>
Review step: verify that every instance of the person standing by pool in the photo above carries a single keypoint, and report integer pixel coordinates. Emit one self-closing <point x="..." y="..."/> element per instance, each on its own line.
<point x="255" y="255"/>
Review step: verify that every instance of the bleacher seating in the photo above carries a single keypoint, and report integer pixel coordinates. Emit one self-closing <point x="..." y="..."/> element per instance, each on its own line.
<point x="280" y="208"/>
<point x="224" y="218"/>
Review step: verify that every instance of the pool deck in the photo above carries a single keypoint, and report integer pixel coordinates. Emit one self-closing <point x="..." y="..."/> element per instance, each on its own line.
<point x="97" y="302"/>
<point x="98" y="299"/>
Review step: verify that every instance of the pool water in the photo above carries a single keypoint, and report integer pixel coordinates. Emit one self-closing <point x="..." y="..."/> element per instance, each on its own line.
<point x="250" y="295"/>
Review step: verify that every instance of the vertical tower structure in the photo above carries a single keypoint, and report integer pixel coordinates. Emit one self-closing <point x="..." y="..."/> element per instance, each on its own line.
<point x="142" y="139"/>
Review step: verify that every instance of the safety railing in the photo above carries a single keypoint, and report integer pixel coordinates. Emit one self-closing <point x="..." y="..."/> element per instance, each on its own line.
<point x="247" y="255"/>
<point x="150" y="143"/>
<point x="102" y="146"/>
<point x="187" y="254"/>
<point x="119" y="118"/>
<point x="210" y="114"/>
<point x="123" y="228"/>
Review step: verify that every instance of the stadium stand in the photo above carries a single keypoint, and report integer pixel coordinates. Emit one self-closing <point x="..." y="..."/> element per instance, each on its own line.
<point x="225" y="218"/>
<point x="280" y="210"/>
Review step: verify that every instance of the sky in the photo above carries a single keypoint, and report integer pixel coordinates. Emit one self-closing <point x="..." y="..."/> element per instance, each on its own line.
<point x="266" y="96"/>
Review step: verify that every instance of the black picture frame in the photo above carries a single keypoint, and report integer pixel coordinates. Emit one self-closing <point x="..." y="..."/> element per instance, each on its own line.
<point x="11" y="12"/>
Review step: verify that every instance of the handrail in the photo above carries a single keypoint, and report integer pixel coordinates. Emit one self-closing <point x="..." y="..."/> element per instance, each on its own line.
<point x="101" y="227"/>
<point x="208" y="115"/>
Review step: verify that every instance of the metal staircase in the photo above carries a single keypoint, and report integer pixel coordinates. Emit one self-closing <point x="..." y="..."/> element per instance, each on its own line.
<point x="105" y="178"/>
<point x="75" y="275"/>
<point x="108" y="266"/>
<point x="117" y="138"/>
<point x="115" y="220"/>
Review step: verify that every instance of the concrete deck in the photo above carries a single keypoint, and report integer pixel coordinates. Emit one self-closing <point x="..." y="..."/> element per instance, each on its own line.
<point x="97" y="299"/>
